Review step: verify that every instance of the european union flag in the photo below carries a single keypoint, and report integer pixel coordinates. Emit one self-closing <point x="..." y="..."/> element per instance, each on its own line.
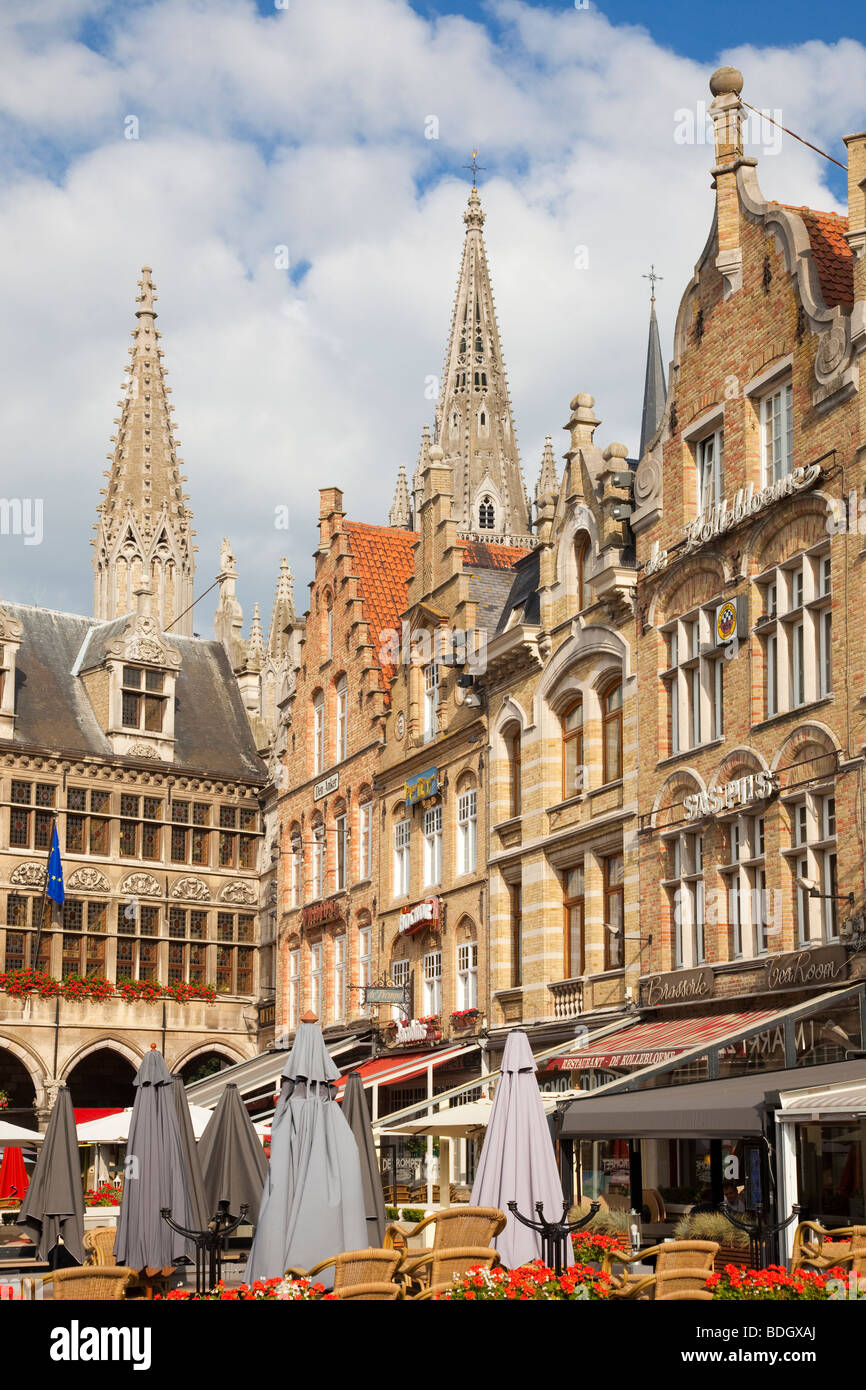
<point x="55" y="871"/>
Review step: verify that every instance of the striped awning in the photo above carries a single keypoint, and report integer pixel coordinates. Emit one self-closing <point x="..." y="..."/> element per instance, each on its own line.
<point x="645" y="1044"/>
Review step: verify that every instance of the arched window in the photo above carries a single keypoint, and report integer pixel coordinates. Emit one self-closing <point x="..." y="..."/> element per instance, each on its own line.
<point x="581" y="551"/>
<point x="486" y="514"/>
<point x="572" y="750"/>
<point x="467" y="826"/>
<point x="611" y="713"/>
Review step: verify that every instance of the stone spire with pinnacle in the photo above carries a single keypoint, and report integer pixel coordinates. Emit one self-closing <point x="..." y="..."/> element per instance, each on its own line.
<point x="418" y="476"/>
<point x="400" y="513"/>
<point x="547" y="480"/>
<point x="256" y="641"/>
<point x="283" y="614"/>
<point x="475" y="427"/>
<point x="654" y="382"/>
<point x="143" y="526"/>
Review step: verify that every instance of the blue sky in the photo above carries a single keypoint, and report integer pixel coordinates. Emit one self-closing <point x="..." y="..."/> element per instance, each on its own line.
<point x="309" y="127"/>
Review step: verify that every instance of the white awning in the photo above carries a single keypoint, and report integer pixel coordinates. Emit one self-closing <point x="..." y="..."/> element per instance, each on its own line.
<point x="847" y="1101"/>
<point x="114" y="1129"/>
<point x="14" y="1134"/>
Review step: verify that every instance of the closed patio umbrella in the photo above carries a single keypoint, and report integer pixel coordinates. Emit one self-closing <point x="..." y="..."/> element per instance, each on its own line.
<point x="358" y="1119"/>
<point x="13" y="1175"/>
<point x="313" y="1201"/>
<point x="53" y="1210"/>
<point x="191" y="1158"/>
<point x="233" y="1161"/>
<point x="155" y="1176"/>
<point x="517" y="1162"/>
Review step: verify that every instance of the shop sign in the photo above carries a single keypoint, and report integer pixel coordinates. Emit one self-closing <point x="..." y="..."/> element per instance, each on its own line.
<point x="677" y="987"/>
<point x="316" y="914"/>
<point x="385" y="994"/>
<point x="327" y="785"/>
<point x="420" y="787"/>
<point x="267" y="1013"/>
<point x="424" y="914"/>
<point x="587" y="1061"/>
<point x="823" y="965"/>
<point x="757" y="786"/>
<point x="724" y="515"/>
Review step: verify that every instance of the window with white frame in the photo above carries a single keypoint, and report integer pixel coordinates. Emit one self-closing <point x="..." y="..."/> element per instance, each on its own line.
<point x="432" y="983"/>
<point x="746" y="878"/>
<point x="342" y="719"/>
<point x="709" y="463"/>
<point x="318" y="732"/>
<point x="341" y="824"/>
<point x="777" y="434"/>
<point x="297" y="866"/>
<point x="316" y="978"/>
<point x="318" y="861"/>
<point x="685" y="888"/>
<point x="365" y="964"/>
<point x="329" y="631"/>
<point x="431" y="701"/>
<point x="432" y="846"/>
<point x="694" y="680"/>
<point x="339" y="978"/>
<point x="467" y="975"/>
<point x="467" y="831"/>
<point x="365" y="840"/>
<point x="294" y="988"/>
<point x="795" y="631"/>
<point x="400" y="978"/>
<point x="812" y="859"/>
<point x="401" y="858"/>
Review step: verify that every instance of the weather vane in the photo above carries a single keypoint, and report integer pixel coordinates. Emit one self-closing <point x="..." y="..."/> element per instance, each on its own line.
<point x="474" y="166"/>
<point x="652" y="277"/>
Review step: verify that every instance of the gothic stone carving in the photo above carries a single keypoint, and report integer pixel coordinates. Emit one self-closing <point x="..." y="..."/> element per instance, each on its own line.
<point x="191" y="888"/>
<point x="243" y="893"/>
<point x="90" y="880"/>
<point x="28" y="875"/>
<point x="141" y="886"/>
<point x="143" y="750"/>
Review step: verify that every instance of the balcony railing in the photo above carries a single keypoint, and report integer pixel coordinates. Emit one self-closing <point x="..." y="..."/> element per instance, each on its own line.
<point x="567" y="998"/>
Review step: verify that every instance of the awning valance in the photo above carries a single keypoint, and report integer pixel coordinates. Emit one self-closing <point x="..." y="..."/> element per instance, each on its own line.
<point x="392" y="1071"/>
<point x="645" y="1044"/>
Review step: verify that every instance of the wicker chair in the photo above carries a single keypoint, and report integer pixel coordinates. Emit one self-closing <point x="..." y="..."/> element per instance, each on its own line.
<point x="454" y="1226"/>
<point x="444" y="1266"/>
<point x="91" y="1283"/>
<point x="356" y="1269"/>
<point x="690" y="1260"/>
<point x="100" y="1243"/>
<point x="381" y="1291"/>
<point x="848" y="1247"/>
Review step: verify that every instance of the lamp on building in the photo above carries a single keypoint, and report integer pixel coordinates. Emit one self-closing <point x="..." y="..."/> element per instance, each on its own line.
<point x="814" y="890"/>
<point x="468" y="695"/>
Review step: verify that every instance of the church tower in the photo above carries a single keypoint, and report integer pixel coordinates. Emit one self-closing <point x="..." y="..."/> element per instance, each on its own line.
<point x="474" y="424"/>
<point x="143" y="527"/>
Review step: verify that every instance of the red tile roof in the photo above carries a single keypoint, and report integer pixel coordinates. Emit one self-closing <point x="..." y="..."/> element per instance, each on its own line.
<point x="492" y="557"/>
<point x="833" y="257"/>
<point x="383" y="564"/>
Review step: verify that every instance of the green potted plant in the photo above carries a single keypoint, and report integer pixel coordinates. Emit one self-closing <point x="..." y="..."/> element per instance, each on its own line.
<point x="734" y="1244"/>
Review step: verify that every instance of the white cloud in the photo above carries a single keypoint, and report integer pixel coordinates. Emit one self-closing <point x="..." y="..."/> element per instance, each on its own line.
<point x="307" y="128"/>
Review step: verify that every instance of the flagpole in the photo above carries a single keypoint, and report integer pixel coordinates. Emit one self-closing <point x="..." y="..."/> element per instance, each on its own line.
<point x="38" y="938"/>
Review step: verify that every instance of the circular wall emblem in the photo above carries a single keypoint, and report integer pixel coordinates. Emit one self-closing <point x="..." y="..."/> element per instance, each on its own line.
<point x="401" y="724"/>
<point x="726" y="621"/>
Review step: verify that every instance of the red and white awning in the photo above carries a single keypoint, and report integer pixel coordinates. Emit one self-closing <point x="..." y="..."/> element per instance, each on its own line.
<point x="645" y="1044"/>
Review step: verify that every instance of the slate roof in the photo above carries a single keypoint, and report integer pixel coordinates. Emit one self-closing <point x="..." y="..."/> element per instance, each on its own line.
<point x="524" y="592"/>
<point x="833" y="256"/>
<point x="53" y="711"/>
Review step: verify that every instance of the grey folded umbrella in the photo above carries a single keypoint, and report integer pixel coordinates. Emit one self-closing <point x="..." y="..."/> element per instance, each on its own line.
<point x="232" y="1158"/>
<point x="155" y="1175"/>
<point x="358" y="1119"/>
<point x="53" y="1210"/>
<point x="313" y="1202"/>
<point x="201" y="1212"/>
<point x="517" y="1162"/>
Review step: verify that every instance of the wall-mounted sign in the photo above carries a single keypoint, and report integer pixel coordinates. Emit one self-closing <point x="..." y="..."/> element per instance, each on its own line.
<point x="328" y="910"/>
<point x="424" y="914"/>
<point x="385" y="994"/>
<point x="822" y="965"/>
<point x="732" y="620"/>
<point x="724" y="515"/>
<point x="267" y="1013"/>
<point x="326" y="786"/>
<point x="757" y="786"/>
<point x="678" y="986"/>
<point x="424" y="785"/>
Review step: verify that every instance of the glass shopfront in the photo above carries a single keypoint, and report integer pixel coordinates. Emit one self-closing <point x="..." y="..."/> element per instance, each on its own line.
<point x="830" y="1165"/>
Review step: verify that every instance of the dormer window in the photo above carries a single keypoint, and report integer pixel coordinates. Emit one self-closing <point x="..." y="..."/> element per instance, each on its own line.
<point x="486" y="514"/>
<point x="143" y="701"/>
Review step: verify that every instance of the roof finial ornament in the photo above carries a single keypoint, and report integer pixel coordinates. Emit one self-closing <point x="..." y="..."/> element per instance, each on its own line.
<point x="475" y="166"/>
<point x="652" y="277"/>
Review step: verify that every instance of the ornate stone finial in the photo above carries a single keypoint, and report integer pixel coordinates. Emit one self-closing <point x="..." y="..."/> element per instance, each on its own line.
<point x="144" y="599"/>
<point x="726" y="81"/>
<point x="228" y="564"/>
<point x="583" y="422"/>
<point x="400" y="512"/>
<point x="474" y="216"/>
<point x="435" y="454"/>
<point x="547" y="479"/>
<point x="148" y="296"/>
<point x="282" y="614"/>
<point x="256" y="643"/>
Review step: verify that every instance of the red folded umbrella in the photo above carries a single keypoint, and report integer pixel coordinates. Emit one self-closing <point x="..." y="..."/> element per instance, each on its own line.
<point x="13" y="1177"/>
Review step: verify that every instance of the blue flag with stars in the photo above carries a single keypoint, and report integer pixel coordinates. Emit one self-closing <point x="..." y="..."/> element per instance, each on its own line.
<point x="55" y="871"/>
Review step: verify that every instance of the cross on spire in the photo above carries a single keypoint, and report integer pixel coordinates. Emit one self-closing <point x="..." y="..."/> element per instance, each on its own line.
<point x="652" y="277"/>
<point x="474" y="166"/>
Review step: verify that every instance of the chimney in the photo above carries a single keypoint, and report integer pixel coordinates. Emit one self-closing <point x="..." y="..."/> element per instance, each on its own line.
<point x="144" y="599"/>
<point x="330" y="515"/>
<point x="856" y="234"/>
<point x="726" y="84"/>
